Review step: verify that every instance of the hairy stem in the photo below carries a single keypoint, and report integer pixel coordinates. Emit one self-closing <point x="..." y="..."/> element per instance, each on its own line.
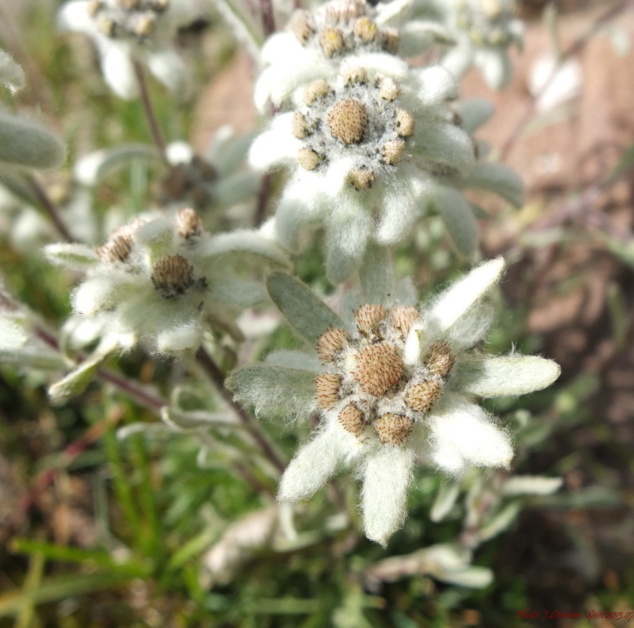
<point x="50" y="208"/>
<point x="217" y="378"/>
<point x="148" y="108"/>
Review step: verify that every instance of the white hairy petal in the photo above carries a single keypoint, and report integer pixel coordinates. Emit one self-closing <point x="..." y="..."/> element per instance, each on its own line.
<point x="458" y="59"/>
<point x="496" y="67"/>
<point x="461" y="296"/>
<point x="380" y="63"/>
<point x="275" y="146"/>
<point x="12" y="335"/>
<point x="297" y="207"/>
<point x="94" y="295"/>
<point x="313" y="465"/>
<point x="168" y="67"/>
<point x="185" y="337"/>
<point x="73" y="16"/>
<point x="463" y="435"/>
<point x="531" y="485"/>
<point x="279" y="47"/>
<point x="349" y="228"/>
<point x="11" y="74"/>
<point x="76" y="256"/>
<point x="386" y="478"/>
<point x="508" y="375"/>
<point x="401" y="206"/>
<point x="445" y="143"/>
<point x="435" y="85"/>
<point x="118" y="71"/>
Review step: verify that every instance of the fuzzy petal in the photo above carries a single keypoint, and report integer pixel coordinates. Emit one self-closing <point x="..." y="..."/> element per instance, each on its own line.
<point x="509" y="375"/>
<point x="118" y="71"/>
<point x="313" y="465"/>
<point x="446" y="144"/>
<point x="386" y="478"/>
<point x="436" y="85"/>
<point x="496" y="67"/>
<point x="460" y="297"/>
<point x="349" y="229"/>
<point x="275" y="146"/>
<point x="168" y="67"/>
<point x="463" y="435"/>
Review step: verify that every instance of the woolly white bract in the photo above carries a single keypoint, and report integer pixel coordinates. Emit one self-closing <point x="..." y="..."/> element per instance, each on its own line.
<point x="317" y="44"/>
<point x="165" y="281"/>
<point x="126" y="31"/>
<point x="397" y="386"/>
<point x="365" y="149"/>
<point x="482" y="30"/>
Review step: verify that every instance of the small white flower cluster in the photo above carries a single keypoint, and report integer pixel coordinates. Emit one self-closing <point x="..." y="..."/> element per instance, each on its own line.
<point x="125" y="31"/>
<point x="370" y="140"/>
<point x="397" y="385"/>
<point x="162" y="281"/>
<point x="483" y="31"/>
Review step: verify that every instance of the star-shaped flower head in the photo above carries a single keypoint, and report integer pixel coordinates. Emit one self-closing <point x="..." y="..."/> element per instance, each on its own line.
<point x="483" y="31"/>
<point x="364" y="149"/>
<point x="165" y="281"/>
<point x="396" y="386"/>
<point x="125" y="31"/>
<point x="317" y="44"/>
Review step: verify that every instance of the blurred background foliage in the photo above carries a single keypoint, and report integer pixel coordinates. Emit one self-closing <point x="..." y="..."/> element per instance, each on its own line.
<point x="99" y="530"/>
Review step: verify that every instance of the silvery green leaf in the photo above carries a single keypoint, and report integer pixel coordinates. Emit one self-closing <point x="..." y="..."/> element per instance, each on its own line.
<point x="25" y="143"/>
<point x="497" y="178"/>
<point x="508" y="375"/>
<point x="34" y="357"/>
<point x="234" y="189"/>
<point x="302" y="308"/>
<point x="445" y="499"/>
<point x="76" y="381"/>
<point x="75" y="256"/>
<point x="472" y="577"/>
<point x="15" y="182"/>
<point x="474" y="113"/>
<point x="531" y="485"/>
<point x="12" y="335"/>
<point x="274" y="391"/>
<point x="499" y="522"/>
<point x="11" y="74"/>
<point x="459" y="220"/>
<point x="295" y="360"/>
<point x="193" y="420"/>
<point x="96" y="166"/>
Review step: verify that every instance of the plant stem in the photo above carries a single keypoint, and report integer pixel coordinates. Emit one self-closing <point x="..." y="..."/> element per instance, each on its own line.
<point x="50" y="208"/>
<point x="262" y="199"/>
<point x="217" y="378"/>
<point x="268" y="17"/>
<point x="150" y="115"/>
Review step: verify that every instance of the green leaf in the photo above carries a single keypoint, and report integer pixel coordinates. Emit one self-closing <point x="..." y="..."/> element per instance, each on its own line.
<point x="498" y="179"/>
<point x="76" y="256"/>
<point x="302" y="308"/>
<point x="92" y="168"/>
<point x="274" y="390"/>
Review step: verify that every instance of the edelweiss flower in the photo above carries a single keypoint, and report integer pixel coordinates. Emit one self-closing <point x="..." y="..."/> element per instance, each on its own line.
<point x="483" y="31"/>
<point x="396" y="386"/>
<point x="164" y="282"/>
<point x="364" y="148"/>
<point x="128" y="30"/>
<point x="316" y="44"/>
